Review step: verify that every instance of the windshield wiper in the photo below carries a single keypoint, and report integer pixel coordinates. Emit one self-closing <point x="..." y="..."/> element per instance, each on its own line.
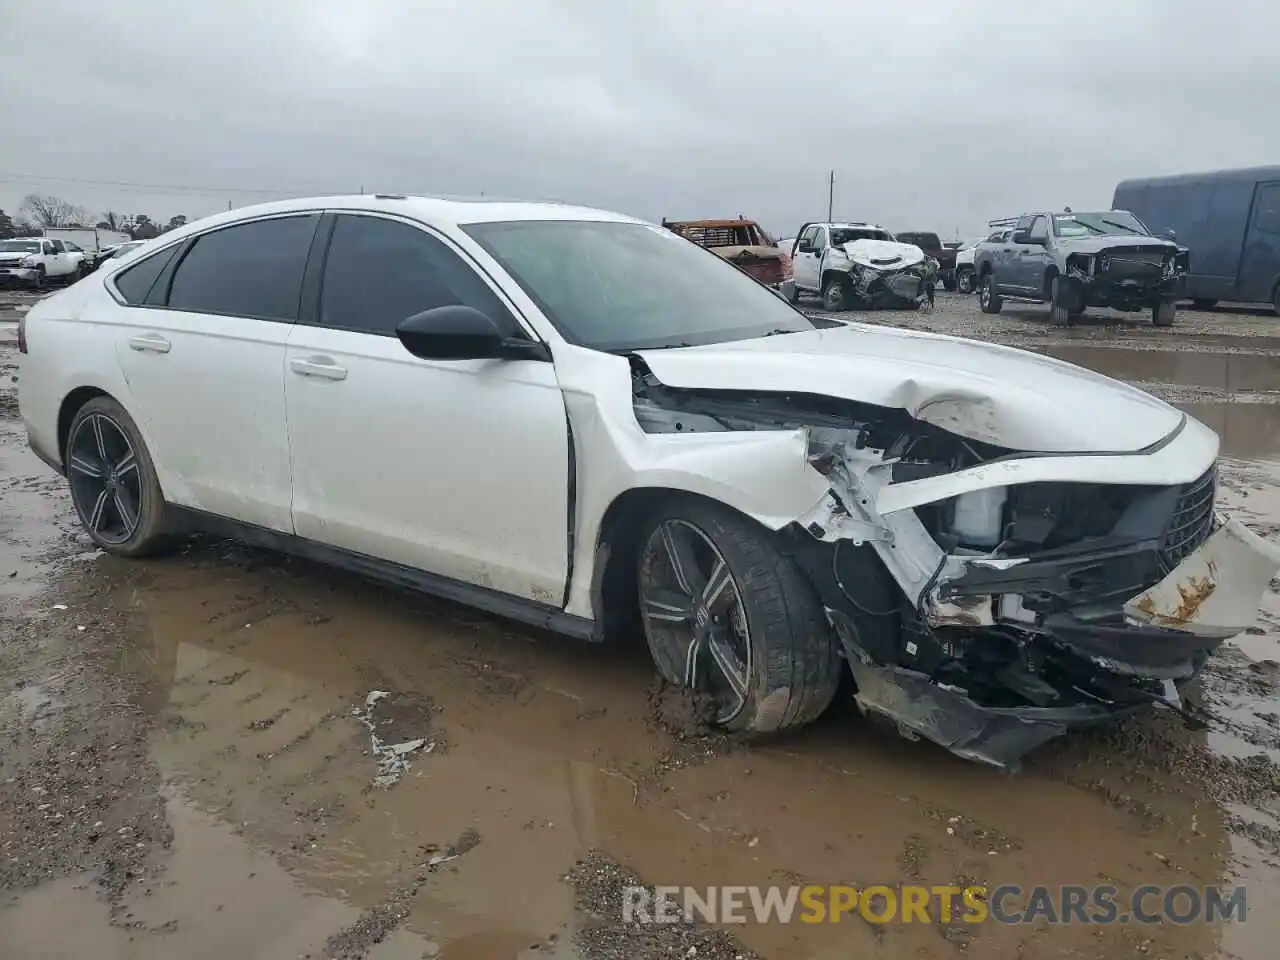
<point x="1122" y="226"/>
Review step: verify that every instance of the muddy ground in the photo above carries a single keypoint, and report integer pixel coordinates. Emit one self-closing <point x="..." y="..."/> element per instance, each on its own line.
<point x="229" y="753"/>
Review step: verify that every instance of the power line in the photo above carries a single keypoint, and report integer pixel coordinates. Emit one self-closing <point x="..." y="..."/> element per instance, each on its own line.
<point x="11" y="177"/>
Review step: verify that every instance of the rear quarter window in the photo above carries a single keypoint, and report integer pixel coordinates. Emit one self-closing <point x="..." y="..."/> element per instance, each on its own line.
<point x="135" y="282"/>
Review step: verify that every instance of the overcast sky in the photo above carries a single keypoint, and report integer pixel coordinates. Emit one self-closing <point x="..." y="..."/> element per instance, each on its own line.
<point x="934" y="115"/>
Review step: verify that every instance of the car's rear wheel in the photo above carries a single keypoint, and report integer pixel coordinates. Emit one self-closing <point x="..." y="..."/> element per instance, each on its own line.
<point x="1163" y="313"/>
<point x="726" y="613"/>
<point x="113" y="482"/>
<point x="949" y="282"/>
<point x="988" y="298"/>
<point x="835" y="293"/>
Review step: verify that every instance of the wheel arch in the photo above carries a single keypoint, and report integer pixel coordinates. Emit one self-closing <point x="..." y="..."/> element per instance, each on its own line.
<point x="619" y="539"/>
<point x="1050" y="272"/>
<point x="67" y="410"/>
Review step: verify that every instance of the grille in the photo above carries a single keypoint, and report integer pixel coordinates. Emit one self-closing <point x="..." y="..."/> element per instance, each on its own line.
<point x="1192" y="519"/>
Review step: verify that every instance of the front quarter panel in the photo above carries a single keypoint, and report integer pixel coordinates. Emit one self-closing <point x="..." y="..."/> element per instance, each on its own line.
<point x="763" y="474"/>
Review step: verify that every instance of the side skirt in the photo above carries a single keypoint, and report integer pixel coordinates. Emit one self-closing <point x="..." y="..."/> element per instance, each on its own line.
<point x="528" y="612"/>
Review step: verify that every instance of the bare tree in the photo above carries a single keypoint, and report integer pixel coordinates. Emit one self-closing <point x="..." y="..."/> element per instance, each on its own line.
<point x="46" y="211"/>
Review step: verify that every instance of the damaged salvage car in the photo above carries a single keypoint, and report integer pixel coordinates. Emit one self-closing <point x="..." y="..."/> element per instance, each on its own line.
<point x="581" y="421"/>
<point x="1074" y="261"/>
<point x="743" y="243"/>
<point x="861" y="265"/>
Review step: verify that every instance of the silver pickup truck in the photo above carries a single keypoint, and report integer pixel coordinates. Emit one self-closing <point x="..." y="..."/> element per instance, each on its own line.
<point x="1074" y="261"/>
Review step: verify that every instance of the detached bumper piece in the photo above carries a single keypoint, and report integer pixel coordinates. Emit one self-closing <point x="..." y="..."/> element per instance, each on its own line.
<point x="1067" y="637"/>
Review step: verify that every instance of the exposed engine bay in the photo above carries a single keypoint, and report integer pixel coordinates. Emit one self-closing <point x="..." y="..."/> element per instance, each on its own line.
<point x="1125" y="276"/>
<point x="993" y="620"/>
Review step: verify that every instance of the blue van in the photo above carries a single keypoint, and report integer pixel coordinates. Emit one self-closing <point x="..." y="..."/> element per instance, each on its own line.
<point x="1230" y="220"/>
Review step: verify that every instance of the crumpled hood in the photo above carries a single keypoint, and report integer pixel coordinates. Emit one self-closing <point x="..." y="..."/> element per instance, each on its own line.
<point x="883" y="254"/>
<point x="1098" y="244"/>
<point x="982" y="391"/>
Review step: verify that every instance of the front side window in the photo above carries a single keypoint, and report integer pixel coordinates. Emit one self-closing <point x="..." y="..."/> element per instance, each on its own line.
<point x="631" y="286"/>
<point x="55" y="246"/>
<point x="380" y="272"/>
<point x="1040" y="229"/>
<point x="248" y="270"/>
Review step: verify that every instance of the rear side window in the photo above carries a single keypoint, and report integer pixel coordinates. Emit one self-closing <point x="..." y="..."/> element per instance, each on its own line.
<point x="249" y="270"/>
<point x="380" y="272"/>
<point x="136" y="282"/>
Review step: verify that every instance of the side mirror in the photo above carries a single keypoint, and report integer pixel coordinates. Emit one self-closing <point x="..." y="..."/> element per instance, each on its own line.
<point x="804" y="246"/>
<point x="463" y="333"/>
<point x="1170" y="233"/>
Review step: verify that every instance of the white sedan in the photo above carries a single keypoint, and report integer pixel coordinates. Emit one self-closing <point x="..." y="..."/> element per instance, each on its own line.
<point x="584" y="422"/>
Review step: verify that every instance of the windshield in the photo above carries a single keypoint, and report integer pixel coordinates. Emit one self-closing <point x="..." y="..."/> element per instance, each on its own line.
<point x="632" y="286"/>
<point x="971" y="243"/>
<point x="841" y="235"/>
<point x="19" y="246"/>
<point x="1111" y="222"/>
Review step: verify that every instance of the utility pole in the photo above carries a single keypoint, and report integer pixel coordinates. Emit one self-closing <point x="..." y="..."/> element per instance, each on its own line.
<point x="831" y="194"/>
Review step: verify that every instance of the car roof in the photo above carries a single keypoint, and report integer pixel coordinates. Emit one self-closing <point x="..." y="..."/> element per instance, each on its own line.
<point x="433" y="210"/>
<point x="854" y="225"/>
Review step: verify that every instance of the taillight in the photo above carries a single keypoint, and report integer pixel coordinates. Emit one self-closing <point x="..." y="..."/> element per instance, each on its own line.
<point x="22" y="334"/>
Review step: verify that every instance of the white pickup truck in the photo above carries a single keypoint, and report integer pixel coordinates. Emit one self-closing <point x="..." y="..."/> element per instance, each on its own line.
<point x="33" y="261"/>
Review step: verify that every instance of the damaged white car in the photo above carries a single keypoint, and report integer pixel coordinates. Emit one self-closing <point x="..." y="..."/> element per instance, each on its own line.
<point x="587" y="423"/>
<point x="861" y="265"/>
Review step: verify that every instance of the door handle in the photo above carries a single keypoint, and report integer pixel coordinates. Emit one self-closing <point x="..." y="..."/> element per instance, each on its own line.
<point x="321" y="367"/>
<point x="150" y="343"/>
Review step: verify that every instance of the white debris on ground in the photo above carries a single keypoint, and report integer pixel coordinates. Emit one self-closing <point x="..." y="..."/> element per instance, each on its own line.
<point x="392" y="759"/>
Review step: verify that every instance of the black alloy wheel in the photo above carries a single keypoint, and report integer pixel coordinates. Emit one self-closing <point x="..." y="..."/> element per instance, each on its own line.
<point x="690" y="598"/>
<point x="106" y="484"/>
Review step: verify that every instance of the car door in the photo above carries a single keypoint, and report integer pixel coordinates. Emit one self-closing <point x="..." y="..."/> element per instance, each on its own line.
<point x="804" y="262"/>
<point x="1034" y="257"/>
<point x="202" y="348"/>
<point x="1008" y="259"/>
<point x="459" y="468"/>
<point x="1260" y="261"/>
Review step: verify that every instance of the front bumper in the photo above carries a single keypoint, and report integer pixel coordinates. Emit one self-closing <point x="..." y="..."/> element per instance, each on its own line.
<point x="18" y="276"/>
<point x="1119" y="650"/>
<point x="1127" y="293"/>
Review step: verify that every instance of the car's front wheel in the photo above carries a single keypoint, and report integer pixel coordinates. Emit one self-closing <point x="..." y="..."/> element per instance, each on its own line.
<point x="113" y="482"/>
<point x="726" y="613"/>
<point x="835" y="294"/>
<point x="1163" y="313"/>
<point x="964" y="281"/>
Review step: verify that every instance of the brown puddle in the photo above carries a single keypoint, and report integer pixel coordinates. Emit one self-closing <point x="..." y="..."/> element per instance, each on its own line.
<point x="1236" y="394"/>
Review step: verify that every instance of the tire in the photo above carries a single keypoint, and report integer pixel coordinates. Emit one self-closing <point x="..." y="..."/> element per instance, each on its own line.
<point x="949" y="282"/>
<point x="760" y="647"/>
<point x="1275" y="299"/>
<point x="1164" y="312"/>
<point x="113" y="482"/>
<point x="1059" y="313"/>
<point x="988" y="297"/>
<point x="39" y="281"/>
<point x="1204" y="303"/>
<point x="964" y="281"/>
<point x="835" y="294"/>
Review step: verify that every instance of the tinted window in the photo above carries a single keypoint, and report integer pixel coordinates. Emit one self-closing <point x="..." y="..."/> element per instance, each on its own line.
<point x="250" y="270"/>
<point x="57" y="246"/>
<point x="135" y="283"/>
<point x="1040" y="229"/>
<point x="1267" y="217"/>
<point x="381" y="272"/>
